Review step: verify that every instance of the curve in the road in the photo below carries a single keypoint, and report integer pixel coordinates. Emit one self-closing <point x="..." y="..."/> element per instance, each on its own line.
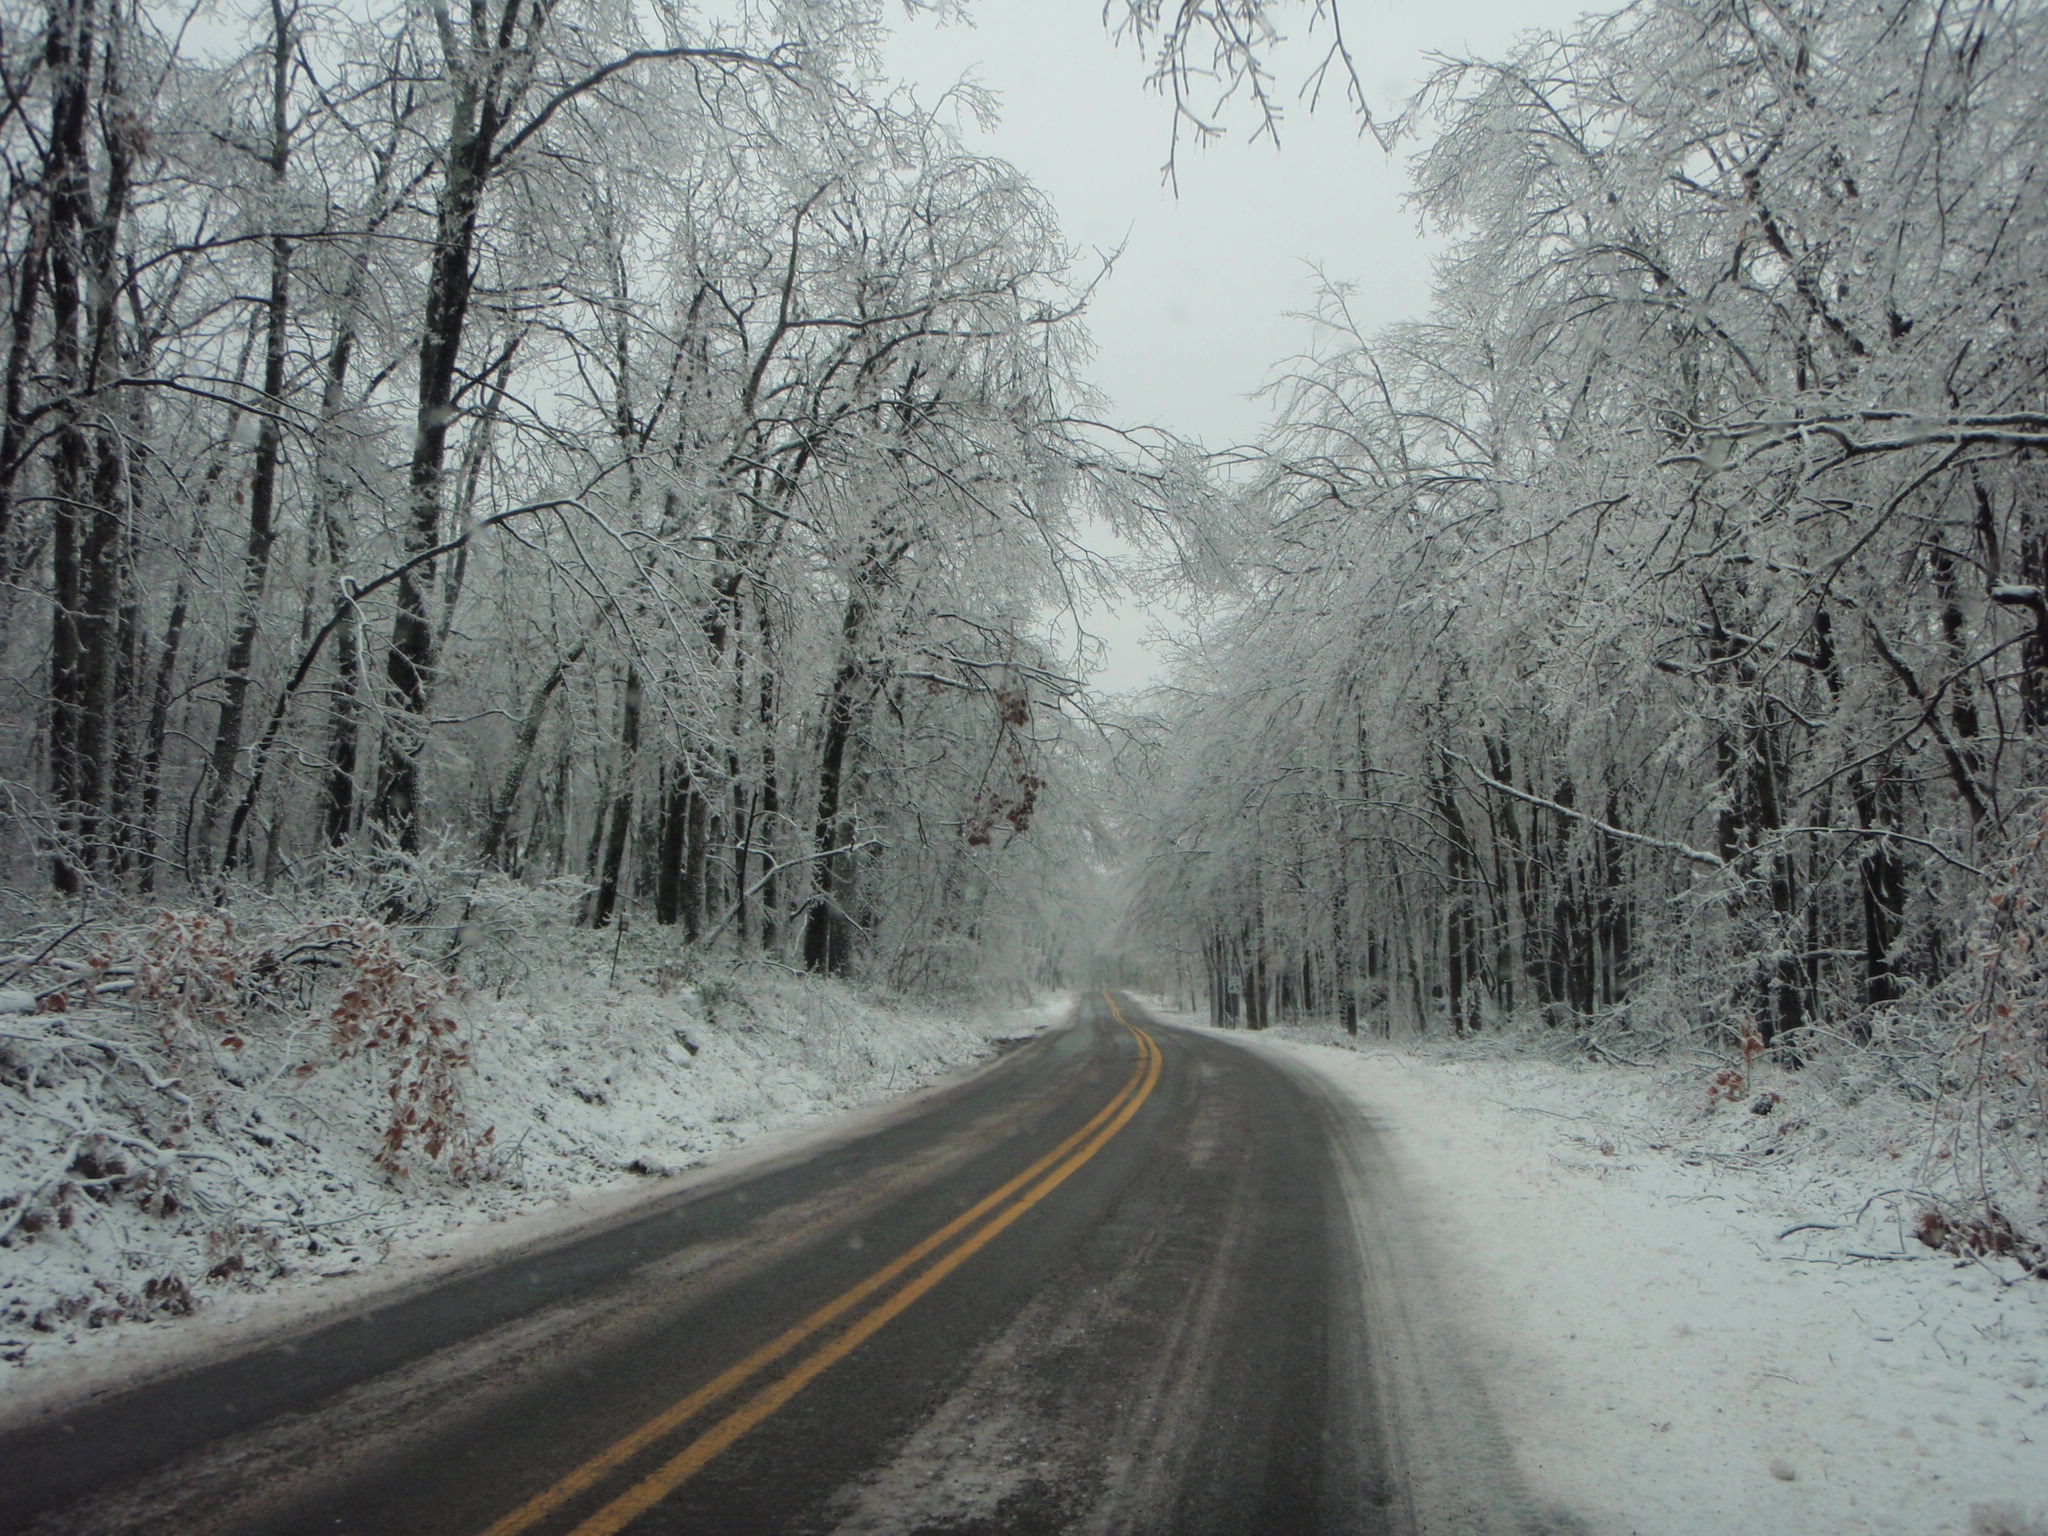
<point x="1056" y="1167"/>
<point x="1181" y="1293"/>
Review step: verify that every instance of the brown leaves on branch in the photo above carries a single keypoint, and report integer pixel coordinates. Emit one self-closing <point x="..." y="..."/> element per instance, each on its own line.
<point x="212" y="989"/>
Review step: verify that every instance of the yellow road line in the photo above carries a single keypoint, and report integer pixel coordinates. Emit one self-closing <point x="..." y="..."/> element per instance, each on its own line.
<point x="616" y="1455"/>
<point x="659" y="1484"/>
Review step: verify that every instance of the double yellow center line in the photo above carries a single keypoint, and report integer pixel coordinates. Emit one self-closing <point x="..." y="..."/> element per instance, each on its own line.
<point x="975" y="1228"/>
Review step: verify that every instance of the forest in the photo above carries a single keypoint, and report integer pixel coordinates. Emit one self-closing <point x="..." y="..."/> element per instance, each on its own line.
<point x="552" y="466"/>
<point x="559" y="815"/>
<point x="546" y="452"/>
<point x="1649" y="642"/>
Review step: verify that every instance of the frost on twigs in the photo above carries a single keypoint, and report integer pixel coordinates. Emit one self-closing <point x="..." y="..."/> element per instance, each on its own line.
<point x="211" y="989"/>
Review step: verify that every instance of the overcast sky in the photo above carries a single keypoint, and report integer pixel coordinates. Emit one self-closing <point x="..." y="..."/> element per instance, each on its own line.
<point x="1198" y="312"/>
<point x="1196" y="316"/>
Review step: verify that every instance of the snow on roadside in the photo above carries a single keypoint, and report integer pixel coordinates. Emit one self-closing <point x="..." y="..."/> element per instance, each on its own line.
<point x="596" y="1087"/>
<point x="1669" y="1356"/>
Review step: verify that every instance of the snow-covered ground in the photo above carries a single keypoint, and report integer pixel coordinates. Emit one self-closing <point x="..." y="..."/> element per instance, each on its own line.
<point x="1694" y="1320"/>
<point x="599" y="1087"/>
<point x="1708" y="1322"/>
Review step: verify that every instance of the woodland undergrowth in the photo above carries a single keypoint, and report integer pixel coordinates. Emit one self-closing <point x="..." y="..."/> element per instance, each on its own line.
<point x="1930" y="1114"/>
<point x="1991" y="1105"/>
<point x="200" y="1104"/>
<point x="1941" y="1098"/>
<point x="161" y="1079"/>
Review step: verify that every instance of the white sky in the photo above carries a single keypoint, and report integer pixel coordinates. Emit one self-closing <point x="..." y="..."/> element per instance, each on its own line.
<point x="1199" y="311"/>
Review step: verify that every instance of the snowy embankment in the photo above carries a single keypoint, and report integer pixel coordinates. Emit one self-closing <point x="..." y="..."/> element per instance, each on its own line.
<point x="171" y="1184"/>
<point x="1702" y="1321"/>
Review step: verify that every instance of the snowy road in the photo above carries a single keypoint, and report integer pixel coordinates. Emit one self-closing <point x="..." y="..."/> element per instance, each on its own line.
<point x="1131" y="1278"/>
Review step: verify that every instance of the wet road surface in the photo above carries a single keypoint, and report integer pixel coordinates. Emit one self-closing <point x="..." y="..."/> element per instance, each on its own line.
<point x="1130" y="1278"/>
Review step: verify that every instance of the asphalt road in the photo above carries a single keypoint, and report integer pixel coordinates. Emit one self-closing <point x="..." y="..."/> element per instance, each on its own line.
<point x="1130" y="1278"/>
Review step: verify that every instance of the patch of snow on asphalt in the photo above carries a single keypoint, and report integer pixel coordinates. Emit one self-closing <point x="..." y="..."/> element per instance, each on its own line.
<point x="1668" y="1357"/>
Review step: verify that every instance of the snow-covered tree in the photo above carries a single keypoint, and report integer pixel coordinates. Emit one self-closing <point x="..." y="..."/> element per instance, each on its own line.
<point x="1658" y="625"/>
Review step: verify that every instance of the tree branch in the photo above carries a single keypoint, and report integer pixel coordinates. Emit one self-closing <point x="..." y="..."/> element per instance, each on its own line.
<point x="1683" y="850"/>
<point x="777" y="58"/>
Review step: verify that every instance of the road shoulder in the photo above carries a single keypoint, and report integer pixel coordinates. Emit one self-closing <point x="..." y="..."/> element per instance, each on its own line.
<point x="1659" y="1357"/>
<point x="435" y="1240"/>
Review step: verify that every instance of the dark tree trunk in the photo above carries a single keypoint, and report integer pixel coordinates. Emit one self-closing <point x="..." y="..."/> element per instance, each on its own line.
<point x="1461" y="928"/>
<point x="1256" y="997"/>
<point x="2034" y="650"/>
<point x="21" y="345"/>
<point x="261" y="537"/>
<point x="507" y="799"/>
<point x="1344" y="969"/>
<point x="67" y="59"/>
<point x="1614" y="914"/>
<point x="828" y="941"/>
<point x="1512" y="880"/>
<point x="478" y="118"/>
<point x="344" y="720"/>
<point x="1880" y="875"/>
<point x="333" y="481"/>
<point x="679" y="879"/>
<point x="1786" y="1003"/>
<point x="344" y="740"/>
<point x="771" y="796"/>
<point x="620" y="815"/>
<point x="90" y="463"/>
<point x="152" y="769"/>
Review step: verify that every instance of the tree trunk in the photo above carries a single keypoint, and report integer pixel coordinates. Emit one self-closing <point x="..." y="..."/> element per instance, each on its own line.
<point x="68" y="60"/>
<point x="507" y="799"/>
<point x="262" y="531"/>
<point x="477" y="118"/>
<point x="771" y="796"/>
<point x="828" y="941"/>
<point x="21" y="341"/>
<point x="620" y="815"/>
<point x="1880" y="875"/>
<point x="679" y="872"/>
<point x="1344" y="976"/>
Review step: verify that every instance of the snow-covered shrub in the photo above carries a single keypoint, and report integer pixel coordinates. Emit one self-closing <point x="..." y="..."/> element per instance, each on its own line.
<point x="262" y="1159"/>
<point x="505" y="924"/>
<point x="175" y="1095"/>
<point x="210" y="988"/>
<point x="1992" y="1136"/>
<point x="397" y="1009"/>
